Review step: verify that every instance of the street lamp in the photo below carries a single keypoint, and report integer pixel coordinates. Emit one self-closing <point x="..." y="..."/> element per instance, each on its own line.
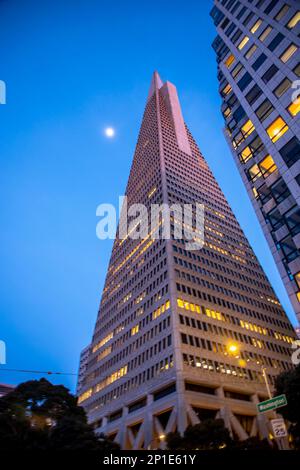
<point x="234" y="349"/>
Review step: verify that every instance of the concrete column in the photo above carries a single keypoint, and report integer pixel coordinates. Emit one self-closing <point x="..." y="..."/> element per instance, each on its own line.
<point x="148" y="419"/>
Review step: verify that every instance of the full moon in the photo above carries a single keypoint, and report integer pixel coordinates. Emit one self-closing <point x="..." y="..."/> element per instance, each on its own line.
<point x="109" y="132"/>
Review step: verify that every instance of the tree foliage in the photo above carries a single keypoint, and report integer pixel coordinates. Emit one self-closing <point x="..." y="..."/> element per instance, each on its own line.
<point x="212" y="434"/>
<point x="40" y="415"/>
<point x="289" y="384"/>
<point x="208" y="435"/>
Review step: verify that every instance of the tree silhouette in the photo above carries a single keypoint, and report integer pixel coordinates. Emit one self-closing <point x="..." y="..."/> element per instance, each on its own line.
<point x="40" y="415"/>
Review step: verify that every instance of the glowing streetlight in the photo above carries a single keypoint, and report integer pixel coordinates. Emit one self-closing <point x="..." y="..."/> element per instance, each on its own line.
<point x="233" y="348"/>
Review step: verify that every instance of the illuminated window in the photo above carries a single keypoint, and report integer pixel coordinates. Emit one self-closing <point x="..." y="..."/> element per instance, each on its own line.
<point x="294" y="108"/>
<point x="255" y="192"/>
<point x="298" y="296"/>
<point x="288" y="53"/>
<point x="134" y="330"/>
<point x="256" y="26"/>
<point x="103" y="341"/>
<point x="265" y="33"/>
<point x="227" y="112"/>
<point x="246" y="154"/>
<point x="267" y="166"/>
<point x="247" y="128"/>
<point x="297" y="278"/>
<point x="227" y="89"/>
<point x="277" y="129"/>
<point x="254" y="172"/>
<point x="294" y="21"/>
<point x="230" y="60"/>
<point x="85" y="395"/>
<point x="151" y="192"/>
<point x="243" y="43"/>
<point x="250" y="51"/>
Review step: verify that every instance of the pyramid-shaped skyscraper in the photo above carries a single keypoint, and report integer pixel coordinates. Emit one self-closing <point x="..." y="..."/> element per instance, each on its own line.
<point x="182" y="335"/>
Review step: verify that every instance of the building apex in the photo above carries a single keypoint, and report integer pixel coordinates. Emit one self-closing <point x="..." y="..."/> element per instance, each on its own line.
<point x="156" y="84"/>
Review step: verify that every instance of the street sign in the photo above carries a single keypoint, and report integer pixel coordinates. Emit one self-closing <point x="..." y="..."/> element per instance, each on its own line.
<point x="279" y="428"/>
<point x="272" y="403"/>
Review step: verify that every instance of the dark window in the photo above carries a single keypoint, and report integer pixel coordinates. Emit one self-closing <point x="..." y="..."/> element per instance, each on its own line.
<point x="216" y="15"/>
<point x="290" y="152"/>
<point x="238" y="114"/>
<point x="236" y="35"/>
<point x="256" y="145"/>
<point x="264" y="110"/>
<point x="248" y="18"/>
<point x="232" y="100"/>
<point x="225" y="23"/>
<point x="253" y="94"/>
<point x="298" y="179"/>
<point x="236" y="6"/>
<point x="199" y="388"/>
<point x="237" y="395"/>
<point x="275" y="42"/>
<point x="289" y="248"/>
<point x="230" y="29"/>
<point x="137" y="405"/>
<point x="282" y="87"/>
<point x="269" y="73"/>
<point x="184" y="338"/>
<point x="275" y="219"/>
<point x="264" y="194"/>
<point x="164" y="392"/>
<point x="244" y="81"/>
<point x="270" y="6"/>
<point x="296" y="70"/>
<point x="280" y="191"/>
<point x="292" y="218"/>
<point x="116" y="415"/>
<point x="239" y="16"/>
<point x="259" y="61"/>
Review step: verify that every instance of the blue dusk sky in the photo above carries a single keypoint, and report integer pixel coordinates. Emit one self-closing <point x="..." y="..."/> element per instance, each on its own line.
<point x="72" y="68"/>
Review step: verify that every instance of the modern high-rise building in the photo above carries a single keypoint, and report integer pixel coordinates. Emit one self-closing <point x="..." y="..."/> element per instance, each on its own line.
<point x="182" y="335"/>
<point x="258" y="55"/>
<point x="83" y="362"/>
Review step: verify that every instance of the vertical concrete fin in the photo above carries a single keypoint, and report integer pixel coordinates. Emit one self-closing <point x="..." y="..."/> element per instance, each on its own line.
<point x="169" y="93"/>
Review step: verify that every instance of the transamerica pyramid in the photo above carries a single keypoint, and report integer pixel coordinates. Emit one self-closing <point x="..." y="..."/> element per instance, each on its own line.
<point x="182" y="335"/>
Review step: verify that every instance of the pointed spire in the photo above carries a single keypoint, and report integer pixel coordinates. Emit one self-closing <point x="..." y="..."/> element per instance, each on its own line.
<point x="170" y="96"/>
<point x="156" y="84"/>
